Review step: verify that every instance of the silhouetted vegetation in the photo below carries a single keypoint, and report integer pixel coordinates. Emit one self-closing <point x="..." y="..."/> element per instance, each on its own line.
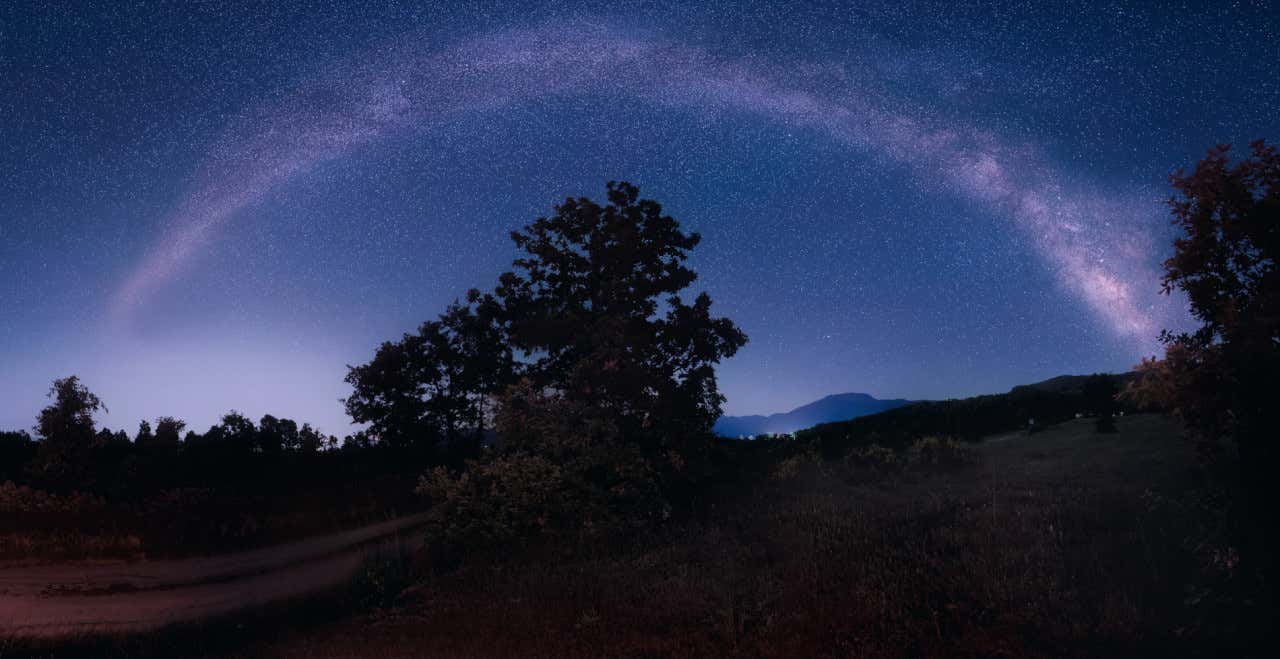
<point x="1100" y="396"/>
<point x="1068" y="543"/>
<point x="1220" y="379"/>
<point x="558" y="430"/>
<point x="970" y="419"/>
<point x="597" y="376"/>
<point x="77" y="490"/>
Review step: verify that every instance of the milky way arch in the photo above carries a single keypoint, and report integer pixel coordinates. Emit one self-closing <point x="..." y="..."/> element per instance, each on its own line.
<point x="1097" y="243"/>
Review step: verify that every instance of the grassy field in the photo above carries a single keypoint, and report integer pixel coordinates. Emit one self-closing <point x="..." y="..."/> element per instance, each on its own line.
<point x="1064" y="543"/>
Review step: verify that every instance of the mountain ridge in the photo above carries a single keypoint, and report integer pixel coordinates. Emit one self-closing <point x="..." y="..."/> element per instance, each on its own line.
<point x="835" y="407"/>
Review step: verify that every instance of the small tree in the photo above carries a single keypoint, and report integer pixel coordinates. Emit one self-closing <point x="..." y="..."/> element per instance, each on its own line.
<point x="144" y="437"/>
<point x="66" y="432"/>
<point x="1100" y="392"/>
<point x="277" y="435"/>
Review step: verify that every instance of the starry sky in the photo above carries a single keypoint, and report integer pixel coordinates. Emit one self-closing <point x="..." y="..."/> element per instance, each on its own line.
<point x="207" y="206"/>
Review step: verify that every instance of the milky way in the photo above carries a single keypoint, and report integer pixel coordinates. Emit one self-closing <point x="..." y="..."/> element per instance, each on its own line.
<point x="1095" y="239"/>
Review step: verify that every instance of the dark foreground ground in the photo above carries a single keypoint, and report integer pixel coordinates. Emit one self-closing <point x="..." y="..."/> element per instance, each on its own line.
<point x="1064" y="543"/>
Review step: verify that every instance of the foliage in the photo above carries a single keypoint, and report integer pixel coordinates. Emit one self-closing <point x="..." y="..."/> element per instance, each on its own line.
<point x="16" y="450"/>
<point x="1100" y="394"/>
<point x="436" y="385"/>
<point x="382" y="576"/>
<point x="24" y="500"/>
<point x="939" y="452"/>
<point x="968" y="419"/>
<point x="67" y="435"/>
<point x="561" y="470"/>
<point x="493" y="502"/>
<point x="875" y="457"/>
<point x="595" y="375"/>
<point x="588" y="297"/>
<point x="1220" y="379"/>
<point x="79" y="490"/>
<point x="1035" y="553"/>
<point x="791" y="467"/>
<point x="1226" y="263"/>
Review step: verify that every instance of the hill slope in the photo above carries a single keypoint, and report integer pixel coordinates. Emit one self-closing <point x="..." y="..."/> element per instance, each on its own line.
<point x="837" y="407"/>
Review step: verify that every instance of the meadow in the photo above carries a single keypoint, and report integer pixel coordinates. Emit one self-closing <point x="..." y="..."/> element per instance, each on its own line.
<point x="1068" y="542"/>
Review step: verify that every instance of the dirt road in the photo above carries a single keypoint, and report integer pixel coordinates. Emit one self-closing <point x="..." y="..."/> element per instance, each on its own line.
<point x="107" y="597"/>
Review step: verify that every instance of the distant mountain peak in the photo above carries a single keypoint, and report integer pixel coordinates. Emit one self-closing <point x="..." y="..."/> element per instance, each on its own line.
<point x="835" y="407"/>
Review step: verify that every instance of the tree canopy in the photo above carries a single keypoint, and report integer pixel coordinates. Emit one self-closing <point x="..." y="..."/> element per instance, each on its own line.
<point x="595" y="298"/>
<point x="1220" y="378"/>
<point x="592" y="310"/>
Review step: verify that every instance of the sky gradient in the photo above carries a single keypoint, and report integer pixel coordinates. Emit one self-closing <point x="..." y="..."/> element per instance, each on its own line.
<point x="212" y="207"/>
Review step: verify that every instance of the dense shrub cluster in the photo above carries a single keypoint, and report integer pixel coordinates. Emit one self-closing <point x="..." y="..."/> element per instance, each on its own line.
<point x="24" y="500"/>
<point x="875" y="457"/>
<point x="939" y="452"/>
<point x="562" y="469"/>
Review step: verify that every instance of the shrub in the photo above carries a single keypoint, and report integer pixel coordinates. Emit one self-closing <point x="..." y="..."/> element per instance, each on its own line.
<point x="493" y="502"/>
<point x="791" y="467"/>
<point x="382" y="576"/>
<point x="22" y="500"/>
<point x="200" y="517"/>
<point x="875" y="457"/>
<point x="563" y="469"/>
<point x="938" y="452"/>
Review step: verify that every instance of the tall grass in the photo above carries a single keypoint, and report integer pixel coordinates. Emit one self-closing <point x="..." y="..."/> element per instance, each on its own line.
<point x="1065" y="543"/>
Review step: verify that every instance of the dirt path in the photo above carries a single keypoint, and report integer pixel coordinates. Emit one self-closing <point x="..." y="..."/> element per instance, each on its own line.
<point x="102" y="597"/>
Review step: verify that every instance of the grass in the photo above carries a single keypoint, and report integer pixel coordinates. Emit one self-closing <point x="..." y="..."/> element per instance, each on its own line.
<point x="1067" y="543"/>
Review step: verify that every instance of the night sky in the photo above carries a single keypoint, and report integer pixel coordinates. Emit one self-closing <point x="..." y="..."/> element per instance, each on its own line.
<point x="207" y="206"/>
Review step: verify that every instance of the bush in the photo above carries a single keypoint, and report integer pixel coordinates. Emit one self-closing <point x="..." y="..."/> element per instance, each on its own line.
<point x="875" y="457"/>
<point x="791" y="467"/>
<point x="563" y="469"/>
<point x="494" y="502"/>
<point x="939" y="452"/>
<point x="18" y="500"/>
<point x="383" y="575"/>
<point x="200" y="517"/>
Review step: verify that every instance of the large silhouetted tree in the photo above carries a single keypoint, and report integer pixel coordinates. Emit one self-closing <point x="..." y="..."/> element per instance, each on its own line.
<point x="594" y="301"/>
<point x="594" y="306"/>
<point x="1221" y="378"/>
<point x="617" y="388"/>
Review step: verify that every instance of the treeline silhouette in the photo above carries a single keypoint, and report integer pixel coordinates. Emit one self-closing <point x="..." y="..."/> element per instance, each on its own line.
<point x="578" y="396"/>
<point x="1027" y="407"/>
<point x="75" y="489"/>
<point x="273" y="455"/>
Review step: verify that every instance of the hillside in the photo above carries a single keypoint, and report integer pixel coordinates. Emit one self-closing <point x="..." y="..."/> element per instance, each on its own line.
<point x="1047" y="402"/>
<point x="1066" y="543"/>
<point x="837" y="407"/>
